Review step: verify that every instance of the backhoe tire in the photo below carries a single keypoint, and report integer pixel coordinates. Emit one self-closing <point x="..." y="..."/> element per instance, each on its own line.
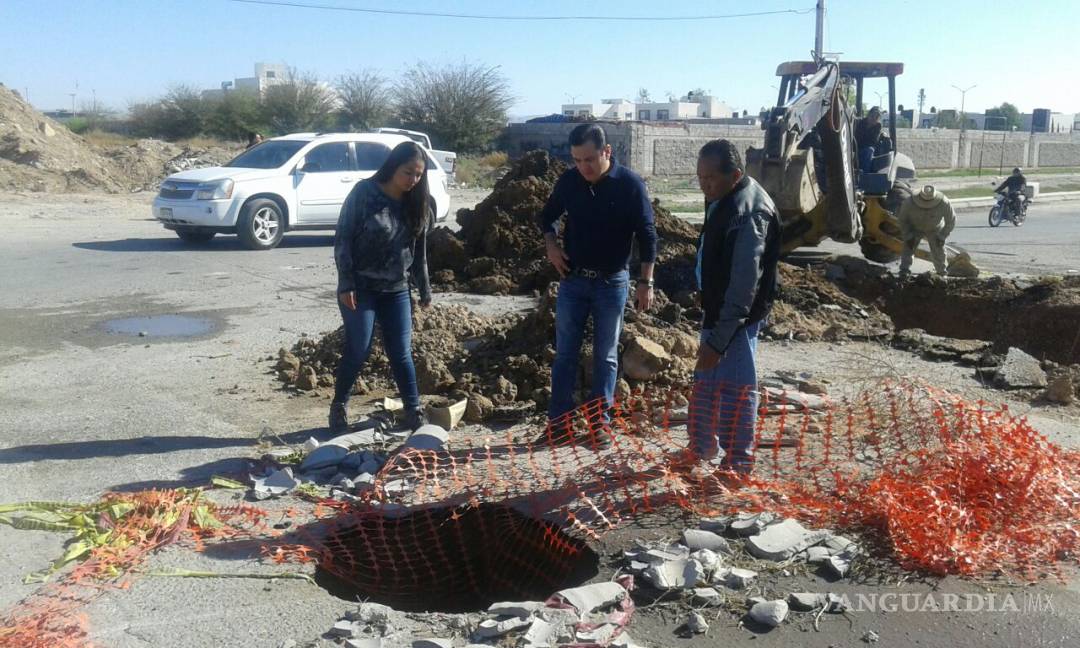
<point x="876" y="252"/>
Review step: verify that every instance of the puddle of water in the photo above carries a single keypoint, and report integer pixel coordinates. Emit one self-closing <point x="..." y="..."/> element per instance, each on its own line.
<point x="160" y="326"/>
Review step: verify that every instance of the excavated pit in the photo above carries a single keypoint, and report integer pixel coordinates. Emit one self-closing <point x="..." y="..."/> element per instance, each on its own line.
<point x="451" y="560"/>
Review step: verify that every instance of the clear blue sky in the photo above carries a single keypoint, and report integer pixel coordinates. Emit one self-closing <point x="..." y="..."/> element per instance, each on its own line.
<point x="127" y="50"/>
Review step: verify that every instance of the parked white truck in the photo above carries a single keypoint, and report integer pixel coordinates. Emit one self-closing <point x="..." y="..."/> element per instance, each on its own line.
<point x="446" y="159"/>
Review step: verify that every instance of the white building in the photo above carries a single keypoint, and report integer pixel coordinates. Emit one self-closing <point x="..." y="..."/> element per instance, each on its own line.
<point x="266" y="75"/>
<point x="686" y="108"/>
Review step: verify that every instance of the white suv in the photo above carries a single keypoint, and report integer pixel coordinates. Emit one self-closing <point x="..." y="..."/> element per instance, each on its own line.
<point x="295" y="182"/>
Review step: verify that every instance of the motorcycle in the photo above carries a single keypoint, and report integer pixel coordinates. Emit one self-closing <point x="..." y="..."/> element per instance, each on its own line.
<point x="1012" y="209"/>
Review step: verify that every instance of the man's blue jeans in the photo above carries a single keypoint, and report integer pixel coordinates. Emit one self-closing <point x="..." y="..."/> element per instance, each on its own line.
<point x="394" y="313"/>
<point x="723" y="408"/>
<point x="579" y="297"/>
<point x="866" y="159"/>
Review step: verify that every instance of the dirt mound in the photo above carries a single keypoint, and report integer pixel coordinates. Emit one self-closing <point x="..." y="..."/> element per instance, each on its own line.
<point x="144" y="164"/>
<point x="500" y="249"/>
<point x="39" y="154"/>
<point x="812" y="307"/>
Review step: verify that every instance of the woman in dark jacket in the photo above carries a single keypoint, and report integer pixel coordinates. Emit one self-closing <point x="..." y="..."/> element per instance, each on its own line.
<point x="381" y="242"/>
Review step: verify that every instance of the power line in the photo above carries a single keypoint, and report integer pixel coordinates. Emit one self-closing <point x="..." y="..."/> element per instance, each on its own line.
<point x="433" y="14"/>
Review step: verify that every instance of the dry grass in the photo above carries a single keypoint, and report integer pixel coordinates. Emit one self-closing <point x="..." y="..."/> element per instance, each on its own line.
<point x="107" y="139"/>
<point x="480" y="171"/>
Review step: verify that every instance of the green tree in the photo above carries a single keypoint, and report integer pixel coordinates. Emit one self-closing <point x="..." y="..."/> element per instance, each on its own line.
<point x="234" y="115"/>
<point x="1010" y="114"/>
<point x="299" y="104"/>
<point x="365" y="99"/>
<point x="181" y="113"/>
<point x="948" y="119"/>
<point x="463" y="106"/>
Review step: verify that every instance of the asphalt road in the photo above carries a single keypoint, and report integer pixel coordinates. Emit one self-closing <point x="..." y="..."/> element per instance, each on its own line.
<point x="86" y="407"/>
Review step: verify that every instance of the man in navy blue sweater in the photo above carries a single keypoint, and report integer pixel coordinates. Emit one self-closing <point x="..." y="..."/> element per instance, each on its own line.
<point x="606" y="207"/>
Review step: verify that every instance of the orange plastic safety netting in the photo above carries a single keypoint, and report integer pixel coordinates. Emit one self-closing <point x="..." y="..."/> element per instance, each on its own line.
<point x="950" y="486"/>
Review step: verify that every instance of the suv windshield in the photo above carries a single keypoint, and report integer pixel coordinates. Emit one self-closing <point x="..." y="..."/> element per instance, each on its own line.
<point x="268" y="155"/>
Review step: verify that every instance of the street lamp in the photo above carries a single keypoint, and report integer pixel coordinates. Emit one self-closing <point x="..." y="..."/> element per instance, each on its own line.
<point x="963" y="122"/>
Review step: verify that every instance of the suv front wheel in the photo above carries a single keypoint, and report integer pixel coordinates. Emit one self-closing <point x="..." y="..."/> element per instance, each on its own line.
<point x="260" y="225"/>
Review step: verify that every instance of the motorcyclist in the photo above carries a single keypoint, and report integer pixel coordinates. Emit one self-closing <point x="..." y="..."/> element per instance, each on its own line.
<point x="1013" y="187"/>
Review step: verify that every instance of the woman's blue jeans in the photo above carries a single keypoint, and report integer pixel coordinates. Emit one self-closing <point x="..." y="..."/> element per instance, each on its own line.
<point x="393" y="311"/>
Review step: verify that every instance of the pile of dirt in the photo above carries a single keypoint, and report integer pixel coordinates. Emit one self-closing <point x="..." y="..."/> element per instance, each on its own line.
<point x="39" y="154"/>
<point x="42" y="155"/>
<point x="812" y="307"/>
<point x="501" y="365"/>
<point x="144" y="164"/>
<point x="500" y="250"/>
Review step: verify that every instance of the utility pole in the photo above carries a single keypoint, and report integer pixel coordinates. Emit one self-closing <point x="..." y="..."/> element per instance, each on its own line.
<point x="819" y="32"/>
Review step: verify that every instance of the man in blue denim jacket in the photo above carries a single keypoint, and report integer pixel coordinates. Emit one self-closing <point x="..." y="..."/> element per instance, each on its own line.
<point x="606" y="207"/>
<point x="737" y="274"/>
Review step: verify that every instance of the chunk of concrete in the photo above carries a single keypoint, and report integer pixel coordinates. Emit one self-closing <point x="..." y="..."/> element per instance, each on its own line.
<point x="589" y="598"/>
<point x="770" y="613"/>
<point x="737" y="577"/>
<point x="694" y="574"/>
<point x="428" y="437"/>
<point x="310" y="445"/>
<point x="345" y="628"/>
<point x="667" y="575"/>
<point x="716" y="525"/>
<point x="522" y="609"/>
<point x="709" y="559"/>
<point x="357" y="438"/>
<point x="1061" y="390"/>
<point x="624" y="640"/>
<point x="836" y="544"/>
<point x="542" y="634"/>
<point x="784" y="540"/>
<point x="601" y="635"/>
<point x="807" y="601"/>
<point x="372" y="613"/>
<point x="840" y="564"/>
<point x="433" y="642"/>
<point x="276" y="483"/>
<point x="665" y="554"/>
<point x="816" y="555"/>
<point x="699" y="539"/>
<point x="490" y="628"/>
<point x="448" y="417"/>
<point x="1020" y="370"/>
<point x="748" y="524"/>
<point x="706" y="596"/>
<point x="871" y="637"/>
<point x="366" y="642"/>
<point x="697" y="624"/>
<point x="325" y="456"/>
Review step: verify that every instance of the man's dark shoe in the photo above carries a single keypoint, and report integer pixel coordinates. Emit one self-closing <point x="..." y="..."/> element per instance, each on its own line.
<point x="339" y="419"/>
<point x="556" y="434"/>
<point x="414" y="419"/>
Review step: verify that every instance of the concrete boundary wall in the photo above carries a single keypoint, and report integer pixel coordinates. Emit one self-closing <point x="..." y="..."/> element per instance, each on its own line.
<point x="670" y="148"/>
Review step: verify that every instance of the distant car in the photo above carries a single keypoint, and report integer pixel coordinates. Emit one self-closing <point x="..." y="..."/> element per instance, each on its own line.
<point x="294" y="182"/>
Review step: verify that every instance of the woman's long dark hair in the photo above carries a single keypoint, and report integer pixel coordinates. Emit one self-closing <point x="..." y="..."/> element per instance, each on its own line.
<point x="415" y="201"/>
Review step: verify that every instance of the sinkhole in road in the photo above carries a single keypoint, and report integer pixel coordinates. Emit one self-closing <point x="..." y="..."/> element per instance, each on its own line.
<point x="160" y="326"/>
<point x="457" y="559"/>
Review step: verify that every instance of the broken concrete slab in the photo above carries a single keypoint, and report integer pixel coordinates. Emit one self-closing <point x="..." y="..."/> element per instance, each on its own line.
<point x="709" y="559"/>
<point x="624" y="640"/>
<point x="490" y="628"/>
<point x="589" y="598"/>
<point x="357" y="438"/>
<point x="736" y="577"/>
<point x="747" y="524"/>
<point x="716" y="525"/>
<point x="366" y="642"/>
<point x="697" y="624"/>
<point x="542" y="634"/>
<point x="448" y="417"/>
<point x="345" y="628"/>
<point x="523" y="609"/>
<point x="667" y="575"/>
<point x="1020" y="371"/>
<point x="372" y="613"/>
<point x="807" y="601"/>
<point x="310" y="444"/>
<point x="1061" y="390"/>
<point x="770" y="613"/>
<point x="694" y="574"/>
<point x="433" y="643"/>
<point x="428" y="437"/>
<point x="783" y="540"/>
<point x="669" y="553"/>
<point x="325" y="456"/>
<point x="700" y="539"/>
<point x="706" y="596"/>
<point x="815" y="555"/>
<point x="276" y="483"/>
<point x="839" y="564"/>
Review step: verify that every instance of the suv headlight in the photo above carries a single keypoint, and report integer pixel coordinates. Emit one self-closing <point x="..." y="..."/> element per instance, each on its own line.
<point x="220" y="190"/>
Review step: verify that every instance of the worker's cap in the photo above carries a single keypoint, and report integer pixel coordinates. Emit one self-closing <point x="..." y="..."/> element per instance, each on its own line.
<point x="928" y="197"/>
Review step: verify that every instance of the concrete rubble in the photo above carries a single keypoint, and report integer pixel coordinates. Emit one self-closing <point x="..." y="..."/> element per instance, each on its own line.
<point x="783" y="540"/>
<point x="769" y="613"/>
<point x="1019" y="371"/>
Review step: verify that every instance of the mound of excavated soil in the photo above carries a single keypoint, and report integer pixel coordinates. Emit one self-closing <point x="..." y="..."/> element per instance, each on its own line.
<point x="39" y="154"/>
